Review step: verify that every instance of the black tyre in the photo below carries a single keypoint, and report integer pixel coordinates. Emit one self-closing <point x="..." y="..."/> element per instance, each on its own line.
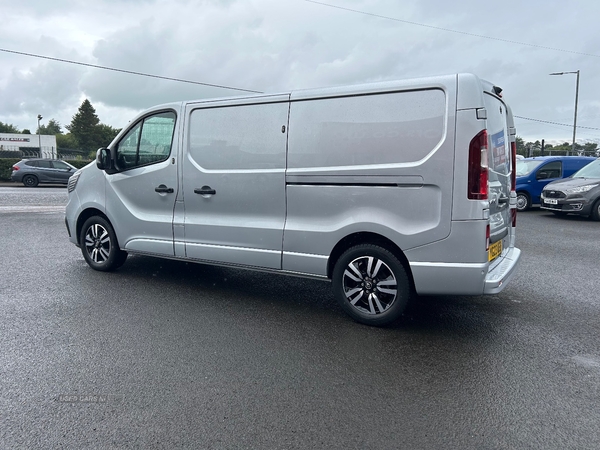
<point x="523" y="201"/>
<point x="371" y="284"/>
<point x="99" y="245"/>
<point x="30" y="180"/>
<point x="596" y="210"/>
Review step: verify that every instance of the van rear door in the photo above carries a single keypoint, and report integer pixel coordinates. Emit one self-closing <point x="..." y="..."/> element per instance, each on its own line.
<point x="499" y="174"/>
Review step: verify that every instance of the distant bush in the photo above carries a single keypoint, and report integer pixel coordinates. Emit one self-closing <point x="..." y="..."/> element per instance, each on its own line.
<point x="6" y="167"/>
<point x="79" y="163"/>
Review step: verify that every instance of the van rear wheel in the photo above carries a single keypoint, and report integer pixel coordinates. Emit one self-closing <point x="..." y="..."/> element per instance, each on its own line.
<point x="371" y="284"/>
<point x="99" y="245"/>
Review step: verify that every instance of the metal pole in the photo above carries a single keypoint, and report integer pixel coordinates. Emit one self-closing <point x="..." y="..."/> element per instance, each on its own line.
<point x="39" y="136"/>
<point x="575" y="118"/>
<point x="576" y="99"/>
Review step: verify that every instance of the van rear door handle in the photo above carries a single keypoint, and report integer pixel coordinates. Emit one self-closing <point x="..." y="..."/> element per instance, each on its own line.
<point x="503" y="200"/>
<point x="205" y="190"/>
<point x="164" y="189"/>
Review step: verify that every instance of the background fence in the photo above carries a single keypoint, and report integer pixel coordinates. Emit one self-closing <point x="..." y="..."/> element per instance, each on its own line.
<point x="7" y="151"/>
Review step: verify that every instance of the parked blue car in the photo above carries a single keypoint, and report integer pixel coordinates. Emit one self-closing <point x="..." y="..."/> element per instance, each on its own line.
<point x="535" y="173"/>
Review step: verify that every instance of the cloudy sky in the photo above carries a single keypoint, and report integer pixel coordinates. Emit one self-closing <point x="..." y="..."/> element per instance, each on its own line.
<point x="280" y="45"/>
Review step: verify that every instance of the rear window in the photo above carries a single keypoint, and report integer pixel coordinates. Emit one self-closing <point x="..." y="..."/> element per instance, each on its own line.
<point x="499" y="145"/>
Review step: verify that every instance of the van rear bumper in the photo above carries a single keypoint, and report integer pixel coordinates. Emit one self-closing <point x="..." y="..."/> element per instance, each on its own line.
<point x="433" y="278"/>
<point x="499" y="276"/>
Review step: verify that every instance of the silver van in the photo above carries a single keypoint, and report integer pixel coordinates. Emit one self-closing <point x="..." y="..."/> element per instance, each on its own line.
<point x="384" y="189"/>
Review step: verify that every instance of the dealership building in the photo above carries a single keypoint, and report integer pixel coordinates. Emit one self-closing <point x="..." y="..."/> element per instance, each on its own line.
<point x="28" y="145"/>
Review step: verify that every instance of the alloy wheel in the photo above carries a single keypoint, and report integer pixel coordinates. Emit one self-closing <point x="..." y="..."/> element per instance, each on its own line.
<point x="97" y="243"/>
<point x="369" y="285"/>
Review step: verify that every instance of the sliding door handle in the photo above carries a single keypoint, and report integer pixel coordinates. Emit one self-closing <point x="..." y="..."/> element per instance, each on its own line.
<point x="205" y="190"/>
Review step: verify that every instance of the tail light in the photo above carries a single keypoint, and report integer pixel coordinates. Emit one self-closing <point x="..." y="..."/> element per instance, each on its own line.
<point x="477" y="188"/>
<point x="15" y="167"/>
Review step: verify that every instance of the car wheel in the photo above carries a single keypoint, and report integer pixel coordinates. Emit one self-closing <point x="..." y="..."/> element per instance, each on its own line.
<point x="596" y="210"/>
<point x="523" y="201"/>
<point x="371" y="284"/>
<point x="30" y="180"/>
<point x="99" y="245"/>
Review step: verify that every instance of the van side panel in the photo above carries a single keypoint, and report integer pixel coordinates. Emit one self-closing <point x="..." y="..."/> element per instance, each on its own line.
<point x="377" y="162"/>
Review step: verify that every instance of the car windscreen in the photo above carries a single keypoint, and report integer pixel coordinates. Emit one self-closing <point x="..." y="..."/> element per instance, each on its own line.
<point x="525" y="167"/>
<point x="592" y="170"/>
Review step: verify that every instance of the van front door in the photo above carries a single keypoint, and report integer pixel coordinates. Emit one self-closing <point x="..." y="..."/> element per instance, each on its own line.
<point x="140" y="197"/>
<point x="234" y="182"/>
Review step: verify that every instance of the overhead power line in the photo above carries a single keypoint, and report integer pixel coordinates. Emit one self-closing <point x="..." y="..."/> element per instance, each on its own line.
<point x="465" y="33"/>
<point x="556" y="123"/>
<point x="131" y="72"/>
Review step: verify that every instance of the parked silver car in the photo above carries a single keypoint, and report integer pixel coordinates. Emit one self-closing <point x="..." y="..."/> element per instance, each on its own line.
<point x="33" y="171"/>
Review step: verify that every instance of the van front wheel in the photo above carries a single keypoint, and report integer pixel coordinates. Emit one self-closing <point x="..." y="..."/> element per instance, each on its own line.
<point x="99" y="245"/>
<point x="371" y="284"/>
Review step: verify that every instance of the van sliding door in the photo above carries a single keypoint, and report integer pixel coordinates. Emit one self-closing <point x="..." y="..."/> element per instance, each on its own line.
<point x="234" y="182"/>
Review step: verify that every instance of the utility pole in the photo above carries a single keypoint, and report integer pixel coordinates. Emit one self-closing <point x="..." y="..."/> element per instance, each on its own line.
<point x="576" y="99"/>
<point x="39" y="136"/>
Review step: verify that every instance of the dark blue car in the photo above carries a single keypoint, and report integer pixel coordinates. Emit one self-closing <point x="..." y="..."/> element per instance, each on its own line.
<point x="535" y="173"/>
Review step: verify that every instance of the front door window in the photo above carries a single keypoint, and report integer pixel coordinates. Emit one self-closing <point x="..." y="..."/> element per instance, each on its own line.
<point x="148" y="142"/>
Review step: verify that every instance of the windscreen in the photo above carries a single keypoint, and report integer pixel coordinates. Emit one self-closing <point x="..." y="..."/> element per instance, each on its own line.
<point x="592" y="170"/>
<point x="526" y="167"/>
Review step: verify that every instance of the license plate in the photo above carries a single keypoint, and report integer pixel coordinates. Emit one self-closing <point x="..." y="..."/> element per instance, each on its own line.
<point x="551" y="201"/>
<point x="495" y="250"/>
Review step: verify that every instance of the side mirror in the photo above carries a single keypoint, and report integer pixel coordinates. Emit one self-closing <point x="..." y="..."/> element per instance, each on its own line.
<point x="104" y="160"/>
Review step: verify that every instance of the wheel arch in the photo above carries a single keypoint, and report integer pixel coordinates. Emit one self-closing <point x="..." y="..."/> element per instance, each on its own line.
<point x="85" y="215"/>
<point x="367" y="238"/>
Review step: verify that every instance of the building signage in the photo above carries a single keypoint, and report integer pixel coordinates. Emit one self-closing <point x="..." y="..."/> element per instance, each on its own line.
<point x="11" y="139"/>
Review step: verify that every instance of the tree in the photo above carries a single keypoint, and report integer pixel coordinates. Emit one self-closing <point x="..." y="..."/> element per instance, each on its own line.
<point x="590" y="148"/>
<point x="52" y="127"/>
<point x="521" y="150"/>
<point x="8" y="128"/>
<point x="83" y="126"/>
<point x="105" y="134"/>
<point x="26" y="131"/>
<point x="66" y="141"/>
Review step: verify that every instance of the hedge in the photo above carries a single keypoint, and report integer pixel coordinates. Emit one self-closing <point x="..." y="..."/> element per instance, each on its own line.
<point x="7" y="163"/>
